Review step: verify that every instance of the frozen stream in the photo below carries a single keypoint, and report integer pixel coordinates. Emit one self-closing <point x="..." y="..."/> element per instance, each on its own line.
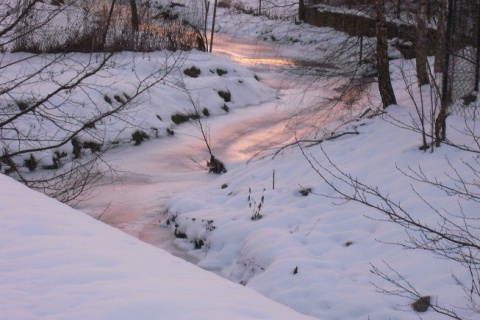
<point x="157" y="169"/>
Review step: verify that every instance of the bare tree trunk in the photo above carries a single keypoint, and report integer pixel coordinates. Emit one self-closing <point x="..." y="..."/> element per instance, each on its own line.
<point x="441" y="121"/>
<point x="213" y="25"/>
<point x="301" y="10"/>
<point x="135" y="18"/>
<point x="421" y="46"/>
<point x="109" y="20"/>
<point x="384" y="81"/>
<point x="206" y="4"/>
<point x="440" y="47"/>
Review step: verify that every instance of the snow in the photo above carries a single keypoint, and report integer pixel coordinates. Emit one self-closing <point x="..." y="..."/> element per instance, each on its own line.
<point x="58" y="263"/>
<point x="313" y="254"/>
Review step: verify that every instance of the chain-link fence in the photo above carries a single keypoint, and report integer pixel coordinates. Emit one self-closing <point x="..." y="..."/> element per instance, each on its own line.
<point x="462" y="67"/>
<point x="99" y="25"/>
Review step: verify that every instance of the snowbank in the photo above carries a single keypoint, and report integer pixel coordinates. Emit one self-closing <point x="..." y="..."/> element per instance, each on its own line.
<point x="58" y="263"/>
<point x="314" y="252"/>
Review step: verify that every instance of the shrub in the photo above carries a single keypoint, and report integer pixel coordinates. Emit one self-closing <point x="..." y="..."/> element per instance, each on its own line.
<point x="57" y="155"/>
<point x="225" y="95"/>
<point x="119" y="98"/>
<point x="93" y="146"/>
<point x="31" y="163"/>
<point x="139" y="136"/>
<point x="192" y="72"/>
<point x="205" y="112"/>
<point x="305" y="191"/>
<point x="199" y="243"/>
<point x="22" y="105"/>
<point x="422" y="304"/>
<point x="107" y="99"/>
<point x="179" y="234"/>
<point x="178" y="118"/>
<point x="225" y="108"/>
<point x="221" y="72"/>
<point x="90" y="125"/>
<point x="170" y="132"/>
<point x="215" y="166"/>
<point x="77" y="147"/>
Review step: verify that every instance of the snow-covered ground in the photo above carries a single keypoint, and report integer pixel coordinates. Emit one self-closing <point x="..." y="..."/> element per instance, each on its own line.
<point x="58" y="263"/>
<point x="307" y="251"/>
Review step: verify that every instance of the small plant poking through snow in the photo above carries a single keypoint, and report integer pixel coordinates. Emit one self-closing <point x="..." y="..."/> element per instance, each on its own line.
<point x="107" y="99"/>
<point x="256" y="208"/>
<point x="77" y="148"/>
<point x="221" y="72"/>
<point x="348" y="243"/>
<point x="56" y="161"/>
<point x="178" y="118"/>
<point x="179" y="234"/>
<point x="208" y="224"/>
<point x="139" y="136"/>
<point x="93" y="146"/>
<point x="192" y="72"/>
<point x="22" y="105"/>
<point x="205" y="112"/>
<point x="215" y="166"/>
<point x="171" y="218"/>
<point x="119" y="98"/>
<point x="422" y="304"/>
<point x="31" y="163"/>
<point x="225" y="95"/>
<point x="225" y="108"/>
<point x="305" y="191"/>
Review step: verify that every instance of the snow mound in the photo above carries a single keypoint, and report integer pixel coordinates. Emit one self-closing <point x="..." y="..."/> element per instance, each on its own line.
<point x="58" y="263"/>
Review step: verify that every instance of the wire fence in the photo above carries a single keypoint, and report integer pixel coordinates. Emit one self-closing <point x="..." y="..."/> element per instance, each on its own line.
<point x="97" y="26"/>
<point x="462" y="63"/>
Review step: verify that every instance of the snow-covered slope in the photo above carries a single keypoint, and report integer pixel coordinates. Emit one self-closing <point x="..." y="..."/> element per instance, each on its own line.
<point x="315" y="252"/>
<point x="58" y="263"/>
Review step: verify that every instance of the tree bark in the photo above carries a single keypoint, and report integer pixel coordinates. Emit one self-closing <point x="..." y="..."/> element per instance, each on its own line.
<point x="301" y="10"/>
<point x="440" y="47"/>
<point x="213" y="25"/>
<point x="384" y="81"/>
<point x="135" y="18"/>
<point x="421" y="46"/>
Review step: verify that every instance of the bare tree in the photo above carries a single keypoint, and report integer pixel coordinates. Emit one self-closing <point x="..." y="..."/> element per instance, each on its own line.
<point x="135" y="16"/>
<point x="213" y="25"/>
<point x="384" y="81"/>
<point x="214" y="165"/>
<point x="421" y="44"/>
